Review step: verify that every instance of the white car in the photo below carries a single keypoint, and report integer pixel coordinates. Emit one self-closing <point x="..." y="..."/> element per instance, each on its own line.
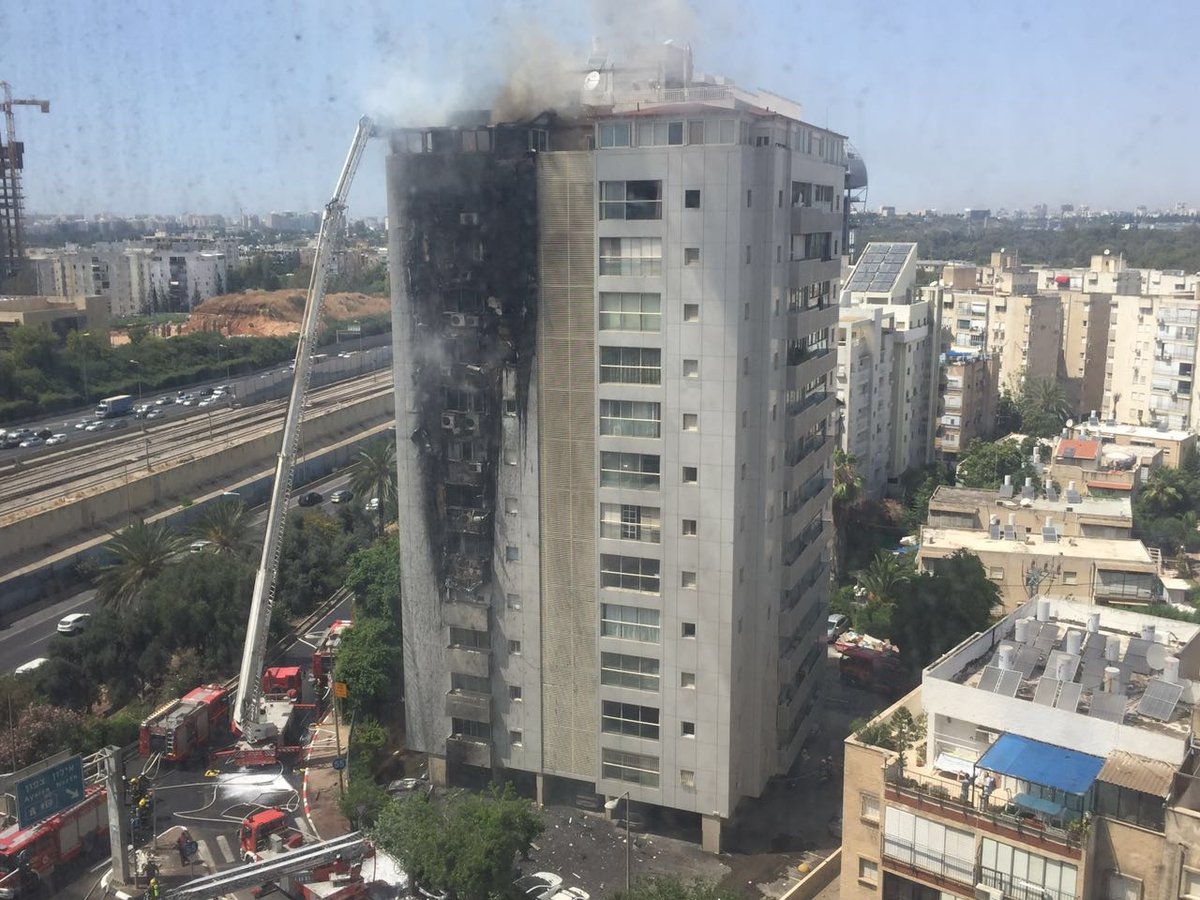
<point x="538" y="886"/>
<point x="74" y="623"/>
<point x="154" y="414"/>
<point x="82" y="424"/>
<point x="164" y="401"/>
<point x="571" y="893"/>
<point x="31" y="442"/>
<point x="95" y="426"/>
<point x="32" y="666"/>
<point x="56" y="440"/>
<point x="207" y="401"/>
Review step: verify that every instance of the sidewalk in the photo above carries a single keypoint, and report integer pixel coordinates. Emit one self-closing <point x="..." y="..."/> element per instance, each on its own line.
<point x="321" y="783"/>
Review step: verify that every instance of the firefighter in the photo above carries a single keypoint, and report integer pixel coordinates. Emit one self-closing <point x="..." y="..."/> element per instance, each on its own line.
<point x="155" y="889"/>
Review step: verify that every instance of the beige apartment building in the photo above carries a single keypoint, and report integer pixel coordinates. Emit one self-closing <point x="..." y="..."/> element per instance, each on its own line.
<point x="59" y="314"/>
<point x="1093" y="570"/>
<point x="967" y="401"/>
<point x="1075" y="515"/>
<point x="1169" y="447"/>
<point x="1056" y="760"/>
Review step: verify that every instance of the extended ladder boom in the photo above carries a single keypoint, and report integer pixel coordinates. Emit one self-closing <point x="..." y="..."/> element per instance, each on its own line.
<point x="246" y="709"/>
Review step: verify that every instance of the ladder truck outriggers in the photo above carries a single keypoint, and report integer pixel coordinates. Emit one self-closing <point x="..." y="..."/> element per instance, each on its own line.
<point x="265" y="718"/>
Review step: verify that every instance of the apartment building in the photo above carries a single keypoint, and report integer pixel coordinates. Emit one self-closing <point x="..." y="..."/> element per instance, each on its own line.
<point x="887" y="358"/>
<point x="968" y="394"/>
<point x="1170" y="447"/>
<point x="1057" y="760"/>
<point x="614" y="327"/>
<point x="61" y="315"/>
<point x="1092" y="569"/>
<point x="1075" y="515"/>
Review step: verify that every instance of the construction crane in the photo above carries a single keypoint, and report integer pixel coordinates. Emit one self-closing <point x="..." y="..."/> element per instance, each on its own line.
<point x="262" y="721"/>
<point x="12" y="230"/>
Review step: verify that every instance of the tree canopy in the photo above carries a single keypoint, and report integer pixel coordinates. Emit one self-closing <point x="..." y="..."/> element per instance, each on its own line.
<point x="669" y="887"/>
<point x="985" y="463"/>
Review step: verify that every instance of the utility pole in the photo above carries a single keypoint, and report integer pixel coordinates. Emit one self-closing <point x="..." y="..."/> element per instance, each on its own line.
<point x="118" y="823"/>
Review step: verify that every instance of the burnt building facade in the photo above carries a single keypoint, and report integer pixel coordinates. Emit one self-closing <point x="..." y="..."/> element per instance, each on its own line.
<point x="613" y="331"/>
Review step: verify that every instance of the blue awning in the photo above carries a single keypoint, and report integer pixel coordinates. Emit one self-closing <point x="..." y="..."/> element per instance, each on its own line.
<point x="1044" y="764"/>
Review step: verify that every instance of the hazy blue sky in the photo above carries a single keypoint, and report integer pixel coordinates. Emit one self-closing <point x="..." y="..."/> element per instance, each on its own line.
<point x="212" y="106"/>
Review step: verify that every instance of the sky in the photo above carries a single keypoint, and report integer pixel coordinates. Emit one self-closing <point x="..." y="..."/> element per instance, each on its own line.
<point x="224" y="107"/>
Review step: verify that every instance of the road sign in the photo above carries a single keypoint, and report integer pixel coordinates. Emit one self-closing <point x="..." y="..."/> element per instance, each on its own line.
<point x="49" y="791"/>
<point x="339" y="690"/>
<point x="339" y="763"/>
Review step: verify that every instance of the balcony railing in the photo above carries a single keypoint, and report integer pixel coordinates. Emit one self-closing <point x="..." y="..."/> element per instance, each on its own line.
<point x="800" y="449"/>
<point x="625" y="531"/>
<point x="928" y="860"/>
<point x="799" y="406"/>
<point x="1019" y="889"/>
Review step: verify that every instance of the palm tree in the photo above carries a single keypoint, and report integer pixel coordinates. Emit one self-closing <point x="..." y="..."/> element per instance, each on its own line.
<point x="141" y="552"/>
<point x="1044" y="407"/>
<point x="1160" y="495"/>
<point x="880" y="580"/>
<point x="373" y="474"/>
<point x="847" y="488"/>
<point x="226" y="527"/>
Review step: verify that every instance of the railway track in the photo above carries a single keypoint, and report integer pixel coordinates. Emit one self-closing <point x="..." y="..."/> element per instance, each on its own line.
<point x="77" y="472"/>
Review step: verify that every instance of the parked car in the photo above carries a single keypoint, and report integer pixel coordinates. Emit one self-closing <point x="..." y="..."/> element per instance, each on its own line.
<point x="311" y="498"/>
<point x="31" y="442"/>
<point x="55" y="440"/>
<point x="404" y="786"/>
<point x="538" y="886"/>
<point x="341" y="496"/>
<point x="74" y="623"/>
<point x="32" y="666"/>
<point x="835" y="626"/>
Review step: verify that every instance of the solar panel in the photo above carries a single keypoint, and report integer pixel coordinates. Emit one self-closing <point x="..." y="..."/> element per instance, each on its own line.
<point x="990" y="678"/>
<point x="1068" y="697"/>
<point x="1047" y="637"/>
<point x="1159" y="700"/>
<point x="1027" y="660"/>
<point x="1094" y="645"/>
<point x="1055" y="656"/>
<point x="879" y="266"/>
<point x="1009" y="682"/>
<point x="1093" y="673"/>
<point x="1135" y="656"/>
<point x="1109" y="707"/>
<point x="1046" y="691"/>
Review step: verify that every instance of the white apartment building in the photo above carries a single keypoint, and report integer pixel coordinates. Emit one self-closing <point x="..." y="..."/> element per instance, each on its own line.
<point x="615" y="365"/>
<point x="887" y="364"/>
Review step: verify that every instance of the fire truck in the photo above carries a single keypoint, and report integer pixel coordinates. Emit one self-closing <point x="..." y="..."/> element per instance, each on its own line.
<point x="874" y="670"/>
<point x="266" y="835"/>
<point x="30" y="857"/>
<point x="327" y="648"/>
<point x="184" y="727"/>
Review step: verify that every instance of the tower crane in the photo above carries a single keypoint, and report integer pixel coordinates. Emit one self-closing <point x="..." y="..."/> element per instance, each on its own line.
<point x="262" y="720"/>
<point x="12" y="230"/>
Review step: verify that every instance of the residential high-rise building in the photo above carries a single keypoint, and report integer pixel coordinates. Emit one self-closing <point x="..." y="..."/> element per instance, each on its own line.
<point x="614" y="334"/>
<point x="968" y="401"/>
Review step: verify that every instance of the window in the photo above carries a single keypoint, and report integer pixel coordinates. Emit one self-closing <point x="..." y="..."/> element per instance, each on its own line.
<point x="996" y="573"/>
<point x="659" y="134"/>
<point x="687" y="729"/>
<point x="630" y="418"/>
<point x="631" y="200"/>
<point x="629" y="719"/>
<point x="691" y="199"/>
<point x="631" y="256"/>
<point x="514" y="692"/>
<point x="630" y="311"/>
<point x="629" y="470"/>
<point x="687" y="680"/>
<point x="749" y="195"/>
<point x="478" y="684"/>
<point x="614" y="135"/>
<point x="691" y="256"/>
<point x="687" y="778"/>
<point x="691" y="368"/>
<point x="688" y="527"/>
<point x="512" y="601"/>
<point x="1189" y="886"/>
<point x="516" y="738"/>
<point x="812" y="246"/>
<point x="479" y="731"/>
<point x="691" y="422"/>
<point x="510" y="457"/>
<point x="633" y="768"/>
<point x="511" y="553"/>
<point x="1006" y="866"/>
<point x="468" y="637"/>
<point x="514" y="648"/>
<point x="691" y="312"/>
<point x="687" y="630"/>
<point x="629" y="522"/>
<point x="870" y="807"/>
<point x="630" y="365"/>
<point x="747" y="254"/>
<point x="687" y="580"/>
<point x="690" y="475"/>
<point x="1070" y="577"/>
<point x="1123" y="887"/>
<point x="510" y="506"/>
<point x="629" y="573"/>
<point x="639" y="673"/>
<point x="868" y="870"/>
<point x="510" y="407"/>
<point x="629" y="623"/>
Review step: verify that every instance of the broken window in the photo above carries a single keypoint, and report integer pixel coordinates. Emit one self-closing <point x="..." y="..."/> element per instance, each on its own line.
<point x="631" y="200"/>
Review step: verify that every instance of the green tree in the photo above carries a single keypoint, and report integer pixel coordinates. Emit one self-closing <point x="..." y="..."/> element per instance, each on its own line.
<point x="373" y="575"/>
<point x="847" y="490"/>
<point x="1043" y="407"/>
<point x="669" y="887"/>
<point x="369" y="661"/>
<point x="140" y="552"/>
<point x="881" y="581"/>
<point x="373" y="474"/>
<point x="226" y="526"/>
<point x="985" y="463"/>
<point x="935" y="611"/>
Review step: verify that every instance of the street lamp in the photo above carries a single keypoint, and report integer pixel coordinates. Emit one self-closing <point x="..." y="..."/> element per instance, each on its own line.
<point x="134" y="362"/>
<point x="221" y="347"/>
<point x="611" y="805"/>
<point x="83" y="335"/>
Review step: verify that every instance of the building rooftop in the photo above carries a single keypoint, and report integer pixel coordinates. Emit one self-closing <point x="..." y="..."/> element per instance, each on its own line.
<point x="947" y="496"/>
<point x="880" y="267"/>
<point x="1109" y="550"/>
<point x="1144" y="432"/>
<point x="1077" y="448"/>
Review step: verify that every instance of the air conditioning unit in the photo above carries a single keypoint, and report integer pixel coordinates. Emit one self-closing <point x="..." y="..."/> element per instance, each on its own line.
<point x="984" y="892"/>
<point x="471" y="321"/>
<point x="470" y="423"/>
<point x="476" y="467"/>
<point x="449" y="421"/>
<point x="458" y="320"/>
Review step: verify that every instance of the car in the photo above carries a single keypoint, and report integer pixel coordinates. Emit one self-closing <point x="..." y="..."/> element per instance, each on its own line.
<point x="207" y="401"/>
<point x="118" y="425"/>
<point x="98" y="425"/>
<point x="154" y="414"/>
<point x="342" y="496"/>
<point x="221" y="389"/>
<point x="43" y="433"/>
<point x="405" y="785"/>
<point x="538" y="886"/>
<point x="31" y="442"/>
<point x="835" y="626"/>
<point x="74" y="623"/>
<point x="372" y="505"/>
<point x="164" y="401"/>
<point x="310" y="498"/>
<point x="83" y="423"/>
<point x="230" y="495"/>
<point x="55" y="440"/>
<point x="571" y="893"/>
<point x="199" y="546"/>
<point x="188" y="401"/>
<point x="32" y="666"/>
<point x="204" y="392"/>
<point x="431" y="893"/>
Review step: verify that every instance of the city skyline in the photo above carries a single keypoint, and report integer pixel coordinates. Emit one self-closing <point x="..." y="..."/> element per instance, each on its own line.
<point x="950" y="107"/>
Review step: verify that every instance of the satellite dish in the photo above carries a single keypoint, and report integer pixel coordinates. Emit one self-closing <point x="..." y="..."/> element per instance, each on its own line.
<point x="1156" y="656"/>
<point x="1070" y="423"/>
<point x="591" y="80"/>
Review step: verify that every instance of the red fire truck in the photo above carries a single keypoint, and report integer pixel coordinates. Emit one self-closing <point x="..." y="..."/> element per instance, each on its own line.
<point x="30" y="857"/>
<point x="266" y="835"/>
<point x="327" y="648"/>
<point x="874" y="670"/>
<point x="187" y="726"/>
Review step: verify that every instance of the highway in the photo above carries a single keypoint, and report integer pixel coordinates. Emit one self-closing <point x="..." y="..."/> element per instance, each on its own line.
<point x="46" y="479"/>
<point x="29" y="637"/>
